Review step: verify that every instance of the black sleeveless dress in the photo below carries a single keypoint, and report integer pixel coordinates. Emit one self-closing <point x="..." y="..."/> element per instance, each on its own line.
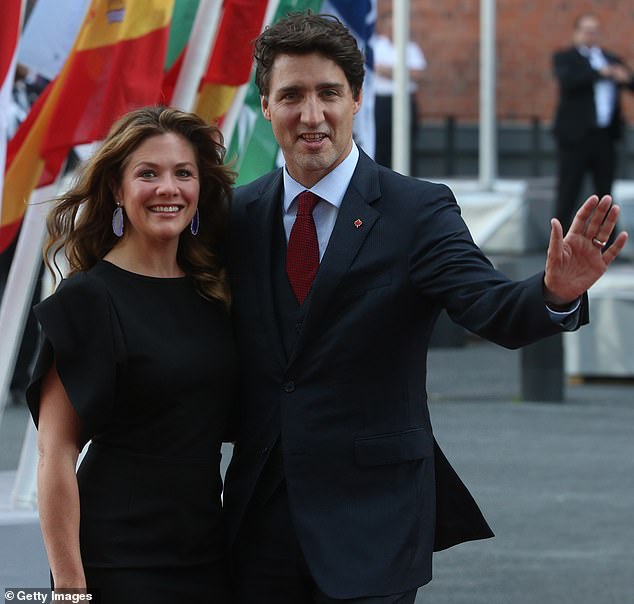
<point x="150" y="367"/>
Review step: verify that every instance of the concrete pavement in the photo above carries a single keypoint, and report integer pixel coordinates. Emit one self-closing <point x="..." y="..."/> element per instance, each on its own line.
<point x="554" y="481"/>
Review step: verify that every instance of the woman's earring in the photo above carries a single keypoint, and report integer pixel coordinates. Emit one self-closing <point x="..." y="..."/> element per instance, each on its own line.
<point x="195" y="223"/>
<point x="117" y="220"/>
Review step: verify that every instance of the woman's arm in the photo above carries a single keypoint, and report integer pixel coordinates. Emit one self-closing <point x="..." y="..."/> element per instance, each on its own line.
<point x="58" y="493"/>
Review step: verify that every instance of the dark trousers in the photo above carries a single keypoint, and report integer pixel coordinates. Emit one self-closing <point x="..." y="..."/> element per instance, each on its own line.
<point x="268" y="566"/>
<point x="594" y="155"/>
<point x="383" y="131"/>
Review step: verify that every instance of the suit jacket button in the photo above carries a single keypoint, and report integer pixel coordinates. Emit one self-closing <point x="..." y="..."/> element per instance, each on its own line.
<point x="298" y="327"/>
<point x="289" y="387"/>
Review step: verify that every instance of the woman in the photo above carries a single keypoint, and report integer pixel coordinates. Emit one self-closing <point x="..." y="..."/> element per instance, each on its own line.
<point x="138" y="358"/>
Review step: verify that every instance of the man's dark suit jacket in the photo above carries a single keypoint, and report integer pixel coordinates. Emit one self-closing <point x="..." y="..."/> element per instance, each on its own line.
<point x="576" y="112"/>
<point x="371" y="494"/>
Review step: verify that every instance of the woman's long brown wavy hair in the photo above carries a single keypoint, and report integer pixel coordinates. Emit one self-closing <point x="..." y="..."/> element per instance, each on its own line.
<point x="86" y="236"/>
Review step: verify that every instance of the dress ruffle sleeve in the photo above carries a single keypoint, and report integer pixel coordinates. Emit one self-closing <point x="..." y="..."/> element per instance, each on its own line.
<point x="81" y="335"/>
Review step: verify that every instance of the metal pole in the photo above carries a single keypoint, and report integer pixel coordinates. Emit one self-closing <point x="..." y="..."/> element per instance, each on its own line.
<point x="197" y="54"/>
<point x="488" y="126"/>
<point x="23" y="274"/>
<point x="401" y="107"/>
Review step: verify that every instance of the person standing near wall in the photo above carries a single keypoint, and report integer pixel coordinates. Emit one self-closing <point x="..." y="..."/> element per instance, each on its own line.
<point x="384" y="61"/>
<point x="588" y="121"/>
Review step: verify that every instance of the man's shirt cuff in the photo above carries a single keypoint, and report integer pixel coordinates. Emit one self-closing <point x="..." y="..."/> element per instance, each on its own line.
<point x="568" y="319"/>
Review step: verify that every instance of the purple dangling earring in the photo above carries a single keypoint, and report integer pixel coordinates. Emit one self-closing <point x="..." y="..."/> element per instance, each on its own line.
<point x="117" y="220"/>
<point x="193" y="227"/>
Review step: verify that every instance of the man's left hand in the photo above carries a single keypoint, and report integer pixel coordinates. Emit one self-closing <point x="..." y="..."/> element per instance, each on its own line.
<point x="577" y="261"/>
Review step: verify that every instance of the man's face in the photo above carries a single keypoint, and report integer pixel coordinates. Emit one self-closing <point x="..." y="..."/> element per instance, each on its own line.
<point x="587" y="32"/>
<point x="311" y="109"/>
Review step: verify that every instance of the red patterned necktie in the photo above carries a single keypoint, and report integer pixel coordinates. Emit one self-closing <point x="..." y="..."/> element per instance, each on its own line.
<point x="302" y="256"/>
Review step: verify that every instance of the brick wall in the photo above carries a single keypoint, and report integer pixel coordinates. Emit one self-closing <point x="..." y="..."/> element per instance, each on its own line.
<point x="528" y="31"/>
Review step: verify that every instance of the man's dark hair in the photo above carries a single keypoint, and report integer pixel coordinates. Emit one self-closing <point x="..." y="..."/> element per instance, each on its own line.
<point x="306" y="33"/>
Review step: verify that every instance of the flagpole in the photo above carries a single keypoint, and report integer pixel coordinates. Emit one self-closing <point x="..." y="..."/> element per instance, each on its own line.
<point x="24" y="491"/>
<point x="18" y="293"/>
<point x="232" y="115"/>
<point x="197" y="54"/>
<point x="401" y="108"/>
<point x="488" y="127"/>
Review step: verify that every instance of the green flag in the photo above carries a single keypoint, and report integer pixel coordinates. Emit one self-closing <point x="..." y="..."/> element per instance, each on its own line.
<point x="253" y="146"/>
<point x="182" y="22"/>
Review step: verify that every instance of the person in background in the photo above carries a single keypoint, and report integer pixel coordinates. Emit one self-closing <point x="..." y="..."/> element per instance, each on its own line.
<point x="588" y="121"/>
<point x="337" y="491"/>
<point x="138" y="358"/>
<point x="384" y="61"/>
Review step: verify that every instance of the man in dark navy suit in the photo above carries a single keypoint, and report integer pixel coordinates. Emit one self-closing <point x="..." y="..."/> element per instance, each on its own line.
<point x="337" y="491"/>
<point x="588" y="122"/>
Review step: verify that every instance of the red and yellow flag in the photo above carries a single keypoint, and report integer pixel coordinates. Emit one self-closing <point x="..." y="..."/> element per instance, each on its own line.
<point x="232" y="57"/>
<point x="116" y="65"/>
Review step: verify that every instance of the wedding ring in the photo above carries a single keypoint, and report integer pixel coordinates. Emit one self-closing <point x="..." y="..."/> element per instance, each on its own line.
<point x="598" y="242"/>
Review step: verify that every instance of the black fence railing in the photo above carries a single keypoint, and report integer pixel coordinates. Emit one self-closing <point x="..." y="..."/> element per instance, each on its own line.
<point x="525" y="150"/>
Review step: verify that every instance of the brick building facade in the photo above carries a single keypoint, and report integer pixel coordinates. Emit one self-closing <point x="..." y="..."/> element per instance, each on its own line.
<point x="528" y="31"/>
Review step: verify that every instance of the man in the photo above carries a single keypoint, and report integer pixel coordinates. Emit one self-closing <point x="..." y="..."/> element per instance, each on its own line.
<point x="384" y="61"/>
<point x="588" y="121"/>
<point x="337" y="490"/>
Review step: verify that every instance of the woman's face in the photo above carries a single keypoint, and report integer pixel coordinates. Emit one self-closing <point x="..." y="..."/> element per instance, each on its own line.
<point x="159" y="189"/>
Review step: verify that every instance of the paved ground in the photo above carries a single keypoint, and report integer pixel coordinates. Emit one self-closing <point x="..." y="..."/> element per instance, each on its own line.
<point x="554" y="480"/>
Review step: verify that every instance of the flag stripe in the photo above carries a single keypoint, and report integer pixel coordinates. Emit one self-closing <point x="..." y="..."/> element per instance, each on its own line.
<point x="107" y="23"/>
<point x="9" y="32"/>
<point x="214" y="101"/>
<point x="232" y="57"/>
<point x="181" y="27"/>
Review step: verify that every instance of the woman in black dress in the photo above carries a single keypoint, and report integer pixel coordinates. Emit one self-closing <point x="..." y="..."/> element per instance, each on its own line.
<point x="138" y="358"/>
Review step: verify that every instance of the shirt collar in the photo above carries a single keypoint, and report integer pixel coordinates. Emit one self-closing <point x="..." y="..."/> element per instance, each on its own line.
<point x="330" y="188"/>
<point x="586" y="51"/>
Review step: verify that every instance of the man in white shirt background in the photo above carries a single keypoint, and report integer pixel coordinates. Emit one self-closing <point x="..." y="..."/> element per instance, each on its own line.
<point x="588" y="121"/>
<point x="384" y="60"/>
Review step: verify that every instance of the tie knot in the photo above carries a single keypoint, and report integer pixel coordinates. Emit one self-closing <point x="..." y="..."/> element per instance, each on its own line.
<point x="306" y="202"/>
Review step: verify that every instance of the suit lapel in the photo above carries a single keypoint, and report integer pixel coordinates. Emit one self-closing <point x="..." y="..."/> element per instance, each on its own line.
<point x="262" y="213"/>
<point x="345" y="242"/>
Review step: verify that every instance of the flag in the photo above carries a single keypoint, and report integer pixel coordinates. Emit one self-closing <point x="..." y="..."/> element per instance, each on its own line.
<point x="180" y="29"/>
<point x="253" y="145"/>
<point x="9" y="35"/>
<point x="360" y="18"/>
<point x="116" y="65"/>
<point x="232" y="57"/>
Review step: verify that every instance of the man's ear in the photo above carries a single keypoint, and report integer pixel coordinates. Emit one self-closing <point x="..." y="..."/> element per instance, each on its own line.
<point x="358" y="101"/>
<point x="264" y="103"/>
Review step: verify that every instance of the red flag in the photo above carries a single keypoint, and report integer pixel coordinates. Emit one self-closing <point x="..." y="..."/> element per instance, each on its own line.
<point x="9" y="34"/>
<point x="232" y="57"/>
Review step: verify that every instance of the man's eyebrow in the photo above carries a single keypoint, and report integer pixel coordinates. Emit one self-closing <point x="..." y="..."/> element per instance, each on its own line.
<point x="285" y="89"/>
<point x="337" y="85"/>
<point x="321" y="86"/>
